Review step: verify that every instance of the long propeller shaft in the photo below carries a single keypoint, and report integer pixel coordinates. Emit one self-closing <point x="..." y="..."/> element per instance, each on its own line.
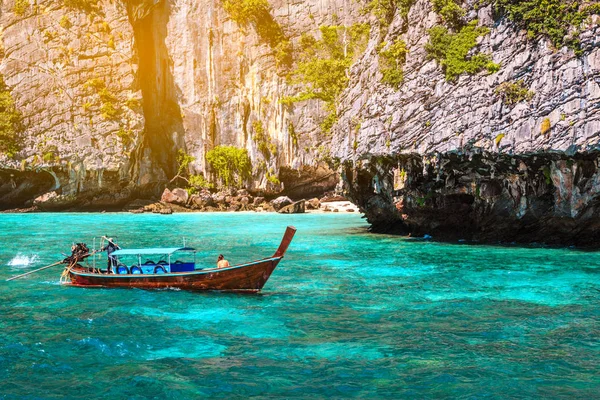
<point x="35" y="270"/>
<point x="50" y="266"/>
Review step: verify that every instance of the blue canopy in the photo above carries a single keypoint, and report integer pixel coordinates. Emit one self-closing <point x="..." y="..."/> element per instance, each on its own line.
<point x="157" y="250"/>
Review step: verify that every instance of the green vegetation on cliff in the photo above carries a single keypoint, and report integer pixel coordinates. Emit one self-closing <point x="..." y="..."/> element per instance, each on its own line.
<point x="10" y="122"/>
<point x="545" y="127"/>
<point x="110" y="108"/>
<point x="385" y="10"/>
<point x="498" y="139"/>
<point x="391" y="62"/>
<point x="263" y="141"/>
<point x="183" y="163"/>
<point x="65" y="22"/>
<point x="258" y="14"/>
<point x="283" y="53"/>
<point x="87" y="6"/>
<point x="198" y="182"/>
<point x="272" y="178"/>
<point x="513" y="92"/>
<point x="450" y="11"/>
<point x="231" y="165"/>
<point x="558" y="20"/>
<point x="451" y="50"/>
<point x="126" y="136"/>
<point x="21" y="7"/>
<point x="244" y="12"/>
<point x="194" y="182"/>
<point x="323" y="65"/>
<point x="50" y="154"/>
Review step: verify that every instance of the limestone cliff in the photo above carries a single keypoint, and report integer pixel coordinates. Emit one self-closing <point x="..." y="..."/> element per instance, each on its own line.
<point x="110" y="91"/>
<point x="72" y="74"/>
<point x="460" y="160"/>
<point x="430" y="114"/>
<point x="225" y="83"/>
<point x="442" y="114"/>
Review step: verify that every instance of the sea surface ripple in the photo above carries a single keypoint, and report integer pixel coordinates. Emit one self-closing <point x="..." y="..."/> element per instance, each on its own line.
<point x="347" y="314"/>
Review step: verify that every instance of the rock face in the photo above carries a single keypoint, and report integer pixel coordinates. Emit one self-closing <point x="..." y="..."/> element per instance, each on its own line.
<point x="52" y="201"/>
<point x="297" y="207"/>
<point x="110" y="93"/>
<point x="428" y="114"/>
<point x="308" y="181"/>
<point x="176" y="196"/>
<point x="548" y="198"/>
<point x="18" y="188"/>
<point x="224" y="86"/>
<point x="457" y="161"/>
<point x="202" y="199"/>
<point x="313" y="204"/>
<point x="120" y="87"/>
<point x="72" y="75"/>
<point x="281" y="202"/>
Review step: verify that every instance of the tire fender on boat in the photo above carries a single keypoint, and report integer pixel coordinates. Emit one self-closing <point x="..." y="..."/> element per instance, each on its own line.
<point x="136" y="270"/>
<point x="122" y="269"/>
<point x="159" y="269"/>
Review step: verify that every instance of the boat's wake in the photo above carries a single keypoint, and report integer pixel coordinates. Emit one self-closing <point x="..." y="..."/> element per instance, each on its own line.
<point x="23" y="260"/>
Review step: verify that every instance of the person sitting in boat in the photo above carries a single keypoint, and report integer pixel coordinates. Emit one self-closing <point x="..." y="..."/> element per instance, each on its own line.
<point x="222" y="262"/>
<point x="110" y="248"/>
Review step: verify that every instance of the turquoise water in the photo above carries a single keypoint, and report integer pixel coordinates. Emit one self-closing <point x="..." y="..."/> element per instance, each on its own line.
<point x="346" y="314"/>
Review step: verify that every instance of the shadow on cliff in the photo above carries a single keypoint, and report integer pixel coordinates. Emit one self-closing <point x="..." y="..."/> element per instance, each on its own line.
<point x="19" y="188"/>
<point x="155" y="157"/>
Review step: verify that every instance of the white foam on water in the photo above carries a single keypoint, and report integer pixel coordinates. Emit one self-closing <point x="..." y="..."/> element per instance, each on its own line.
<point x="23" y="260"/>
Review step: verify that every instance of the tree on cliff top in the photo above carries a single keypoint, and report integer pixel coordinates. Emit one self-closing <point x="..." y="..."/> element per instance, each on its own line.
<point x="10" y="122"/>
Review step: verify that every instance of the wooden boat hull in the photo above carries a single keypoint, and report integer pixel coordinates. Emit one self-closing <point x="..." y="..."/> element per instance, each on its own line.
<point x="248" y="278"/>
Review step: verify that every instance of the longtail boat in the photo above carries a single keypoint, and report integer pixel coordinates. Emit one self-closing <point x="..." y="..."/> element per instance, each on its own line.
<point x="169" y="273"/>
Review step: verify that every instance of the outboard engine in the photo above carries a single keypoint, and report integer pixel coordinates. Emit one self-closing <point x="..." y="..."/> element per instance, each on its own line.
<point x="79" y="252"/>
